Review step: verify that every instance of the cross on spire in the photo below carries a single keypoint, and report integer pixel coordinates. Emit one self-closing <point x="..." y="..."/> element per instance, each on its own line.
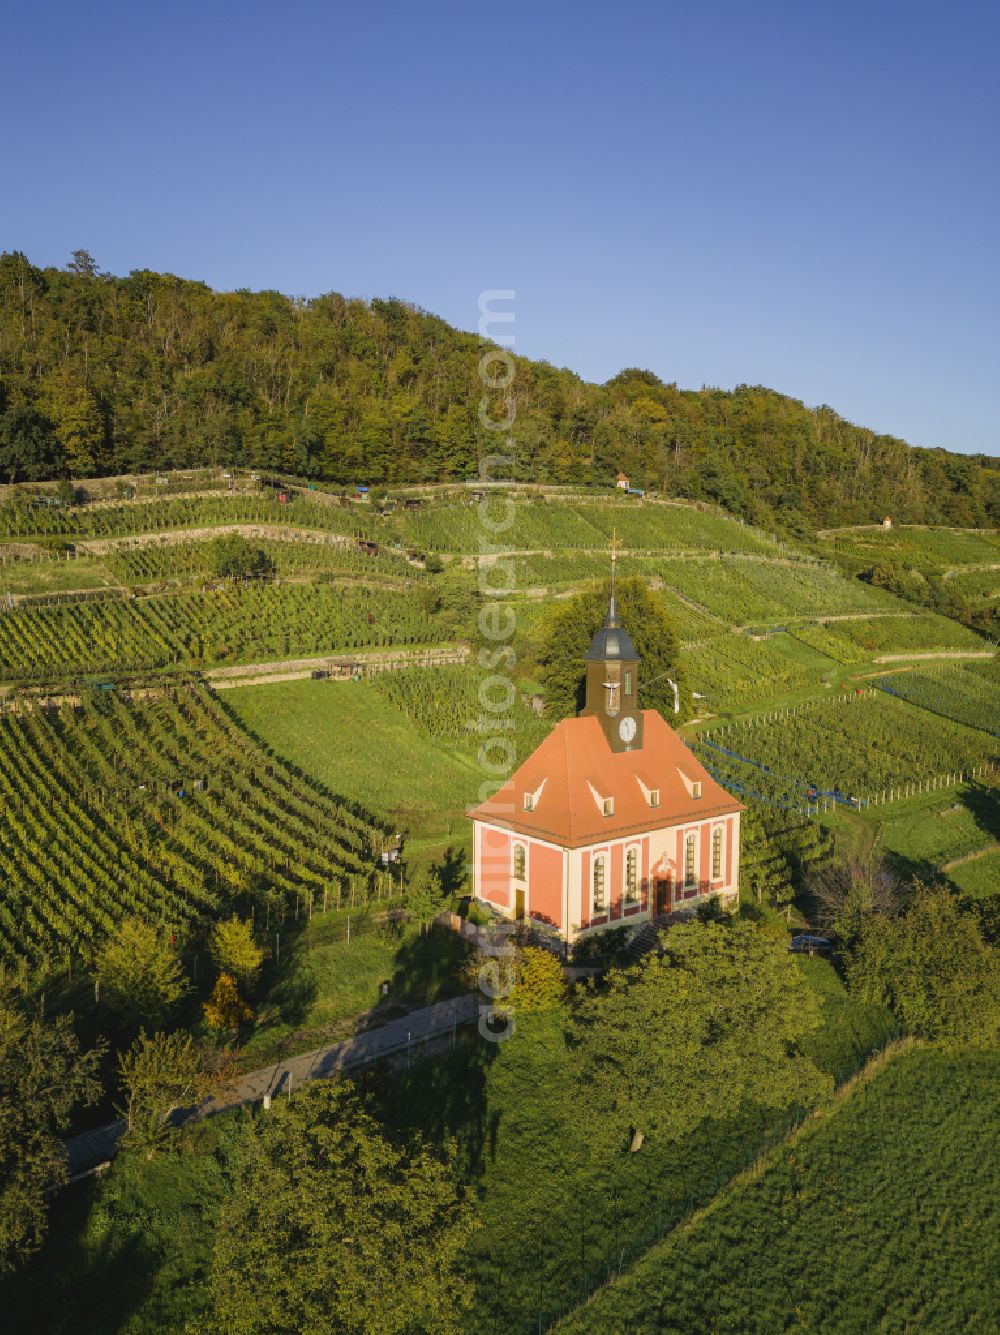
<point x="612" y="617"/>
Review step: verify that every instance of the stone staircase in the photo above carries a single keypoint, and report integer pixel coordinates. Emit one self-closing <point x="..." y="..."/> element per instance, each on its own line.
<point x="647" y="937"/>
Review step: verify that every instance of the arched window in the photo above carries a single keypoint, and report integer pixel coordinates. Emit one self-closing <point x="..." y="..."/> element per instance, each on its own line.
<point x="717" y="853"/>
<point x="691" y="861"/>
<point x="599" y="901"/>
<point x="520" y="862"/>
<point x="632" y="876"/>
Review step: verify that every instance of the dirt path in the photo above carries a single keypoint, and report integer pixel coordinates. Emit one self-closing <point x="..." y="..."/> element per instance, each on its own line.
<point x="968" y="570"/>
<point x="993" y="847"/>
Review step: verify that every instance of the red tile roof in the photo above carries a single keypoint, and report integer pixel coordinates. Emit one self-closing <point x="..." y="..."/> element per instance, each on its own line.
<point x="575" y="768"/>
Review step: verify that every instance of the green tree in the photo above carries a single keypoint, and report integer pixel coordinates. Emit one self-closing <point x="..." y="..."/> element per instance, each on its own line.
<point x="29" y="448"/>
<point x="331" y="1228"/>
<point x="83" y="264"/>
<point x="159" y="1074"/>
<point x="424" y="894"/>
<point x="713" y="1021"/>
<point x="931" y="968"/>
<point x="540" y="982"/>
<point x="337" y="387"/>
<point x="234" y="951"/>
<point x="848" y="893"/>
<point x="137" y="974"/>
<point x="571" y="627"/>
<point x="43" y="1076"/>
<point x="79" y="426"/>
<point x="234" y="558"/>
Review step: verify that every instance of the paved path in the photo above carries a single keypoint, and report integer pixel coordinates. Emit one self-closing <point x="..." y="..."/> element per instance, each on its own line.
<point x="95" y="1147"/>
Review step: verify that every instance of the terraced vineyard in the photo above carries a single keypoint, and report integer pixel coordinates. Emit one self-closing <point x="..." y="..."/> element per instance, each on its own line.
<point x="147" y="564"/>
<point x="854" y="746"/>
<point x="730" y="670"/>
<point x="925" y="549"/>
<point x="746" y="592"/>
<point x="926" y="633"/>
<point x="857" y="641"/>
<point x="826" y="640"/>
<point x="161" y="807"/>
<point x="226" y="625"/>
<point x="452" y="525"/>
<point x="979" y="588"/>
<point x="105" y="520"/>
<point x="676" y="527"/>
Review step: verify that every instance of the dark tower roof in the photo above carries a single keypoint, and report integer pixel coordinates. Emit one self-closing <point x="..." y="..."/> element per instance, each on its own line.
<point x="612" y="640"/>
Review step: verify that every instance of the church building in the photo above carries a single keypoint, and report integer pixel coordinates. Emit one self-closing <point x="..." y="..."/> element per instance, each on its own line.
<point x="612" y="819"/>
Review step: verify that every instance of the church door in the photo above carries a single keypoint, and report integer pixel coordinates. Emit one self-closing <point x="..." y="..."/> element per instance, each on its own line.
<point x="663" y="889"/>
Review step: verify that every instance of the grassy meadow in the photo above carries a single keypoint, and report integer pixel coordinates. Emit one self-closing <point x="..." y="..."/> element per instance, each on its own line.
<point x="878" y="1216"/>
<point x="353" y="741"/>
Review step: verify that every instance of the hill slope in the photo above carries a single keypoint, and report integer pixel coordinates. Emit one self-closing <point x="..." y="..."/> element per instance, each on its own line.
<point x="105" y="374"/>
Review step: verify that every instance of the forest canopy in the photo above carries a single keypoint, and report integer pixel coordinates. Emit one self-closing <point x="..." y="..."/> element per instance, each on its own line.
<point x="107" y="375"/>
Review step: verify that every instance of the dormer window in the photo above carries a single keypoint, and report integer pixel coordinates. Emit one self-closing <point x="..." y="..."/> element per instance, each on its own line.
<point x="696" y="788"/>
<point x="529" y="801"/>
<point x="605" y="805"/>
<point x="654" y="797"/>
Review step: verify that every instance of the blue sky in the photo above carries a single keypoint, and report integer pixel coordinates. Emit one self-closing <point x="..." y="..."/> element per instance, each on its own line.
<point x="801" y="195"/>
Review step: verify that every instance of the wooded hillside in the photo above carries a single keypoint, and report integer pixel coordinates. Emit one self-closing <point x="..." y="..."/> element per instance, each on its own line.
<point x="100" y="374"/>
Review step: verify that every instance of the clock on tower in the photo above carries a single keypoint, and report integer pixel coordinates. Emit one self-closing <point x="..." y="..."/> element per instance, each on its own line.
<point x="612" y="690"/>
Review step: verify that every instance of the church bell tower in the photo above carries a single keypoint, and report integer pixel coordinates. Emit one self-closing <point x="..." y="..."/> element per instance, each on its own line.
<point x="612" y="690"/>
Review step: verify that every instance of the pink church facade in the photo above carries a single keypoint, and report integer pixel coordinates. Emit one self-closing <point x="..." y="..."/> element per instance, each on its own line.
<point x="608" y="883"/>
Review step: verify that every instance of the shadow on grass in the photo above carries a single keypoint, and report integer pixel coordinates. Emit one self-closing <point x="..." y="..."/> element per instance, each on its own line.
<point x="982" y="803"/>
<point x="294" y="993"/>
<point x="442" y="1097"/>
<point x="451" y="872"/>
<point x="73" y="1285"/>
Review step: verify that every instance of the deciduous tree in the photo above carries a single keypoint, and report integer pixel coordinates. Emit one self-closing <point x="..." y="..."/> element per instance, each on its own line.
<point x="43" y="1076"/>
<point x="849" y="892"/>
<point x="235" y="558"/>
<point x="332" y="1228"/>
<point x="137" y="973"/>
<point x="225" y="1009"/>
<point x="571" y="628"/>
<point x="932" y="968"/>
<point x="234" y="951"/>
<point x="159" y="1073"/>
<point x="713" y="1021"/>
